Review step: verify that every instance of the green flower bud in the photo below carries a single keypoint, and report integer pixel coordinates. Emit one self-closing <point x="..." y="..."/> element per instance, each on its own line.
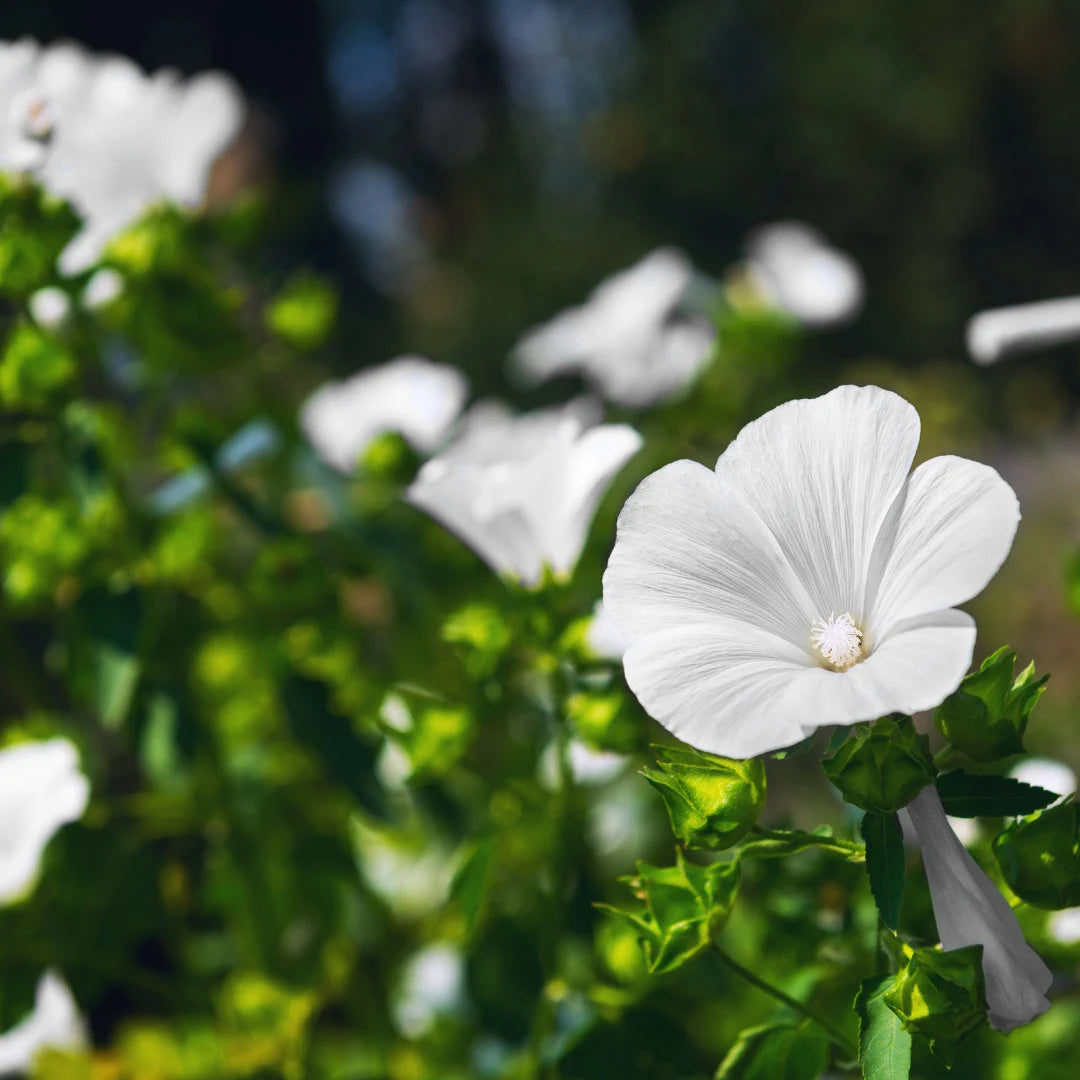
<point x="1039" y="857"/>
<point x="986" y="717"/>
<point x="679" y="907"/>
<point x="303" y="313"/>
<point x="940" y="996"/>
<point x="712" y="801"/>
<point x="882" y="766"/>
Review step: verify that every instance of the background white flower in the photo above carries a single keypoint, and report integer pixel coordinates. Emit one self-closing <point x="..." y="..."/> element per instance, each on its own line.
<point x="411" y="395"/>
<point x="1044" y="772"/>
<point x="808" y="580"/>
<point x="432" y="985"/>
<point x="798" y="272"/>
<point x="98" y="131"/>
<point x="632" y="339"/>
<point x="993" y="335"/>
<point x="55" y="1022"/>
<point x="521" y="491"/>
<point x="41" y="789"/>
<point x="603" y="637"/>
<point x="969" y="910"/>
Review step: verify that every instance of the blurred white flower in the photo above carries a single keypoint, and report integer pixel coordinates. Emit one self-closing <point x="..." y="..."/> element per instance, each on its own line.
<point x="521" y="491"/>
<point x="50" y="307"/>
<point x="1064" y="926"/>
<point x="630" y="339"/>
<point x="603" y="637"/>
<point x="99" y="132"/>
<point x="969" y="910"/>
<point x="431" y="986"/>
<point x="1000" y="332"/>
<point x="41" y="789"/>
<point x="1044" y="772"/>
<point x="798" y="272"/>
<point x="103" y="288"/>
<point x="588" y="767"/>
<point x="966" y="830"/>
<point x="54" y="1023"/>
<point x="808" y="580"/>
<point x="410" y="395"/>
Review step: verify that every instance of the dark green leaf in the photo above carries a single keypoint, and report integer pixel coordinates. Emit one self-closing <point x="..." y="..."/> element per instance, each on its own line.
<point x="470" y="885"/>
<point x="885" y="864"/>
<point x="966" y="794"/>
<point x="884" y="1045"/>
<point x="784" y="1051"/>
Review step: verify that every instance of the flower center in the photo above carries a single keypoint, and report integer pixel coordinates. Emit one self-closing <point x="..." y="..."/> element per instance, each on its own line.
<point x="839" y="641"/>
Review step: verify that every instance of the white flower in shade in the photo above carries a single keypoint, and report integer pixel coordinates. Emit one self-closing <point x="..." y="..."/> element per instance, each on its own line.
<point x="521" y="491"/>
<point x="41" y="789"/>
<point x="798" y="272"/>
<point x="431" y="986"/>
<point x="632" y="339"/>
<point x="1046" y="773"/>
<point x="54" y="1023"/>
<point x="1000" y="332"/>
<point x="99" y="132"/>
<point x="808" y="579"/>
<point x="603" y="637"/>
<point x="969" y="910"/>
<point x="410" y="395"/>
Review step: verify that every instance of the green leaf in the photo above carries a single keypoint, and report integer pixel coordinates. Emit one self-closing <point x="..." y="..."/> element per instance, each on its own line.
<point x="782" y="1051"/>
<point x="884" y="1044"/>
<point x="469" y="888"/>
<point x="966" y="794"/>
<point x="885" y="864"/>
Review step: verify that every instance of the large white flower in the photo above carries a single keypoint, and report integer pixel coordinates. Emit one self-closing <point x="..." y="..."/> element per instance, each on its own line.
<point x="797" y="270"/>
<point x="1000" y="332"/>
<point x="808" y="579"/>
<point x="99" y="132"/>
<point x="521" y="491"/>
<point x="969" y="910"/>
<point x="410" y="395"/>
<point x="632" y="338"/>
<point x="41" y="788"/>
<point x="54" y="1023"/>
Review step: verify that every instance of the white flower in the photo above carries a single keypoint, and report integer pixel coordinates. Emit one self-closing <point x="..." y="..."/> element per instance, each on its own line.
<point x="41" y="789"/>
<point x="55" y="1022"/>
<point x="522" y="490"/>
<point x="631" y="339"/>
<point x="801" y="274"/>
<point x="1046" y="773"/>
<point x="603" y="637"/>
<point x="1064" y="926"/>
<point x="105" y="286"/>
<point x="993" y="335"/>
<point x="808" y="580"/>
<point x="50" y="307"/>
<point x="969" y="910"/>
<point x="410" y="395"/>
<point x="112" y="140"/>
<point x="588" y="767"/>
<point x="432" y="985"/>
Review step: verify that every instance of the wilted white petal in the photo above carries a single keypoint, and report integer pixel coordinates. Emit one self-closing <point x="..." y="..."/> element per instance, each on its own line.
<point x="522" y="491"/>
<point x="992" y="335"/>
<point x="41" y="789"/>
<point x="54" y="1023"/>
<point x="1044" y="772"/>
<point x="947" y="535"/>
<point x="50" y="307"/>
<point x="801" y="274"/>
<point x="630" y="338"/>
<point x="431" y="986"/>
<point x="410" y="395"/>
<point x="603" y="637"/>
<point x="969" y="910"/>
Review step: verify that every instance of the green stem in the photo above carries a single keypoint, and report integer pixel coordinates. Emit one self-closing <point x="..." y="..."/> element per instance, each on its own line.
<point x="834" y="1033"/>
<point x="849" y="849"/>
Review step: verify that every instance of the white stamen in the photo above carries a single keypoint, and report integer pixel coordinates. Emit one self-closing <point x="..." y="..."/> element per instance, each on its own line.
<point x="838" y="640"/>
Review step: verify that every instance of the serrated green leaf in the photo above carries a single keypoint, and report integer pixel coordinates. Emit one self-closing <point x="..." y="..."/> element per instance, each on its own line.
<point x="966" y="794"/>
<point x="784" y="1051"/>
<point x="885" y="864"/>
<point x="884" y="1045"/>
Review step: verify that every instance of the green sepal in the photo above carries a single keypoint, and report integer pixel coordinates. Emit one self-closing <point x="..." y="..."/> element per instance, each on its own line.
<point x="940" y="996"/>
<point x="712" y="801"/>
<point x="985" y="718"/>
<point x="882" y="766"/>
<point x="1039" y="857"/>
<point x="678" y="908"/>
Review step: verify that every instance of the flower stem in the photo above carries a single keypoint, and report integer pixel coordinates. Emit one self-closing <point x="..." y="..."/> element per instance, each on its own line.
<point x="834" y="1033"/>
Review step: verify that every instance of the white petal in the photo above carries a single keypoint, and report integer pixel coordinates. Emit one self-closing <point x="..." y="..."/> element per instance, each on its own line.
<point x="992" y="335"/>
<point x="969" y="910"/>
<point x="689" y="550"/>
<point x="944" y="540"/>
<point x="822" y="474"/>
<point x="54" y="1022"/>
